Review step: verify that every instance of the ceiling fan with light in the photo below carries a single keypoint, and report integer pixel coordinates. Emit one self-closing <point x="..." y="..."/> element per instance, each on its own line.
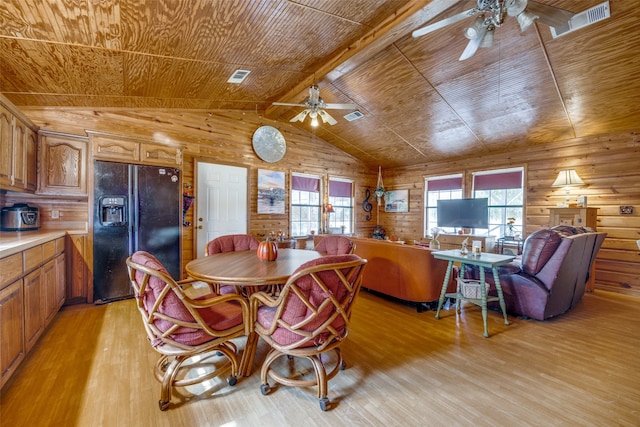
<point x="315" y="107"/>
<point x="492" y="13"/>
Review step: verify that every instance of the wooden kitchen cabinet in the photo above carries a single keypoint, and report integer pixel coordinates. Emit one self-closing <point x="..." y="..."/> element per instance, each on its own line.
<point x="18" y="153"/>
<point x="32" y="290"/>
<point x="12" y="348"/>
<point x="63" y="164"/>
<point x="78" y="279"/>
<point x="121" y="149"/>
<point x="33" y="308"/>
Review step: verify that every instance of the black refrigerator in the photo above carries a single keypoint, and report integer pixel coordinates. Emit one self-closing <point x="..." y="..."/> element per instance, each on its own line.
<point x="135" y="208"/>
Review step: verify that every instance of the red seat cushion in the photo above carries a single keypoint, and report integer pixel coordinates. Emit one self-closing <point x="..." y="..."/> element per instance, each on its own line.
<point x="221" y="316"/>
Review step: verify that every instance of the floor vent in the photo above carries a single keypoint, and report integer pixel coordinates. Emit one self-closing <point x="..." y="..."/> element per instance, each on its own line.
<point x="354" y="116"/>
<point x="582" y="19"/>
<point x="238" y="76"/>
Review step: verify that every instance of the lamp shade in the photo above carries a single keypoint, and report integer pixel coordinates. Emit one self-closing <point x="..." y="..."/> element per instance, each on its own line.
<point x="328" y="208"/>
<point x="567" y="178"/>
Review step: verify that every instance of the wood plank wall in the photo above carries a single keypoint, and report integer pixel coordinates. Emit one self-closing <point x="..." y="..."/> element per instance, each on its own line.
<point x="608" y="164"/>
<point x="222" y="137"/>
<point x="610" y="167"/>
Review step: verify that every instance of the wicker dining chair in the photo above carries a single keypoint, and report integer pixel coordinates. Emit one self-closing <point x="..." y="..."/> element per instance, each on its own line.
<point x="230" y="243"/>
<point x="335" y="245"/>
<point x="309" y="319"/>
<point x="180" y="327"/>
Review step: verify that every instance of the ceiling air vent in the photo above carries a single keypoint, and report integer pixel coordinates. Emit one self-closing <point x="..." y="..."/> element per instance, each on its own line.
<point x="582" y="19"/>
<point x="238" y="76"/>
<point x="354" y="116"/>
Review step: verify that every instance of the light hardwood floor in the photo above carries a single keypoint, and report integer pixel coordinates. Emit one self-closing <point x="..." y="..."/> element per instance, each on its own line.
<point x="93" y="367"/>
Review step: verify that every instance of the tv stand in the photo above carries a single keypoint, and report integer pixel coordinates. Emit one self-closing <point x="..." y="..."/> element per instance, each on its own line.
<point x="454" y="241"/>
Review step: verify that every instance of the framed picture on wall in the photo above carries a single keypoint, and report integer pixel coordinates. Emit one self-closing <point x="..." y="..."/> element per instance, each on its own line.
<point x="396" y="201"/>
<point x="270" y="192"/>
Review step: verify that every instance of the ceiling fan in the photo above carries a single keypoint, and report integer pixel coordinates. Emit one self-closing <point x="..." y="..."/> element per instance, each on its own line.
<point x="492" y="14"/>
<point x="315" y="107"/>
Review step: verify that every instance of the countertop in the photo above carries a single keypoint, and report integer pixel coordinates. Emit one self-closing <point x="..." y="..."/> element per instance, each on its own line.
<point x="12" y="242"/>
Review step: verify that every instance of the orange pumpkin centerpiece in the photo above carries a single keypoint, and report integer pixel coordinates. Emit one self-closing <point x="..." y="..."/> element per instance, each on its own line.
<point x="268" y="250"/>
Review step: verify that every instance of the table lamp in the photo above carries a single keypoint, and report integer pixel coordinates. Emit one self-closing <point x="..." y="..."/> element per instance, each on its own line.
<point x="567" y="178"/>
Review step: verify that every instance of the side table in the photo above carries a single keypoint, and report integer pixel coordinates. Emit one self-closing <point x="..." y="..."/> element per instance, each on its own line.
<point x="509" y="241"/>
<point x="485" y="260"/>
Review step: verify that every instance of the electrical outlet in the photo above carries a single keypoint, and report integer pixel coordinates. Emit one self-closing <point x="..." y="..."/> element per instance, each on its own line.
<point x="55" y="214"/>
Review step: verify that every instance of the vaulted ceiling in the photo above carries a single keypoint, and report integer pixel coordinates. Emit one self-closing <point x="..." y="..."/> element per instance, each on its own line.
<point x="420" y="103"/>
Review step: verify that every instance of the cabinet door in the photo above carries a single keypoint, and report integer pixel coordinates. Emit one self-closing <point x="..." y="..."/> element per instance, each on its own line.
<point x="78" y="280"/>
<point x="105" y="148"/>
<point x="61" y="281"/>
<point x="49" y="302"/>
<point x="63" y="165"/>
<point x="11" y="329"/>
<point x="19" y="155"/>
<point x="6" y="148"/>
<point x="161" y="155"/>
<point x="31" y="152"/>
<point x="33" y="304"/>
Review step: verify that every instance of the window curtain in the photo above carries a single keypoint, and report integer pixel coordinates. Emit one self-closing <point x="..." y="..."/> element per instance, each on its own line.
<point x="440" y="184"/>
<point x="304" y="183"/>
<point x="340" y="189"/>
<point x="500" y="180"/>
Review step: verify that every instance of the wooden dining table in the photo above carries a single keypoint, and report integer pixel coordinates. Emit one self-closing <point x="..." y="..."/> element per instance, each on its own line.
<point x="245" y="271"/>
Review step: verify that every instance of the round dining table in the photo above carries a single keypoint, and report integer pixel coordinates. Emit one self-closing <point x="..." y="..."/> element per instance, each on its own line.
<point x="244" y="270"/>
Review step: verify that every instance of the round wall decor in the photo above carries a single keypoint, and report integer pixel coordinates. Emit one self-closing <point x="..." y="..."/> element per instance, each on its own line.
<point x="269" y="144"/>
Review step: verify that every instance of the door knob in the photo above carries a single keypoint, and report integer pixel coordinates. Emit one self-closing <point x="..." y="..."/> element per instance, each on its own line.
<point x="199" y="227"/>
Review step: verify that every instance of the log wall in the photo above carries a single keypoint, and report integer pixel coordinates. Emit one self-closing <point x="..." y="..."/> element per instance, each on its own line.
<point x="608" y="164"/>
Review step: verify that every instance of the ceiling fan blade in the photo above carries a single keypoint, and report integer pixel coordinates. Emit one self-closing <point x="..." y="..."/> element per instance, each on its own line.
<point x="341" y="106"/>
<point x="300" y="116"/>
<point x="473" y="44"/>
<point x="326" y="117"/>
<point x="549" y="15"/>
<point x="288" y="104"/>
<point x="447" y="21"/>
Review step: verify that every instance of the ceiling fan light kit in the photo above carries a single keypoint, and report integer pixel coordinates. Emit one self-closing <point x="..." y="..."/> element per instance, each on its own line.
<point x="315" y="107"/>
<point x="493" y="13"/>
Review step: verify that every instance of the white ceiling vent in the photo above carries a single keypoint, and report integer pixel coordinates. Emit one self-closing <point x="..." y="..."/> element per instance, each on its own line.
<point x="354" y="116"/>
<point x="582" y="19"/>
<point x="238" y="76"/>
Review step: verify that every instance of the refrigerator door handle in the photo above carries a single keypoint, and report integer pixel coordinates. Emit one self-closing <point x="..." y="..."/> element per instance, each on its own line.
<point x="133" y="209"/>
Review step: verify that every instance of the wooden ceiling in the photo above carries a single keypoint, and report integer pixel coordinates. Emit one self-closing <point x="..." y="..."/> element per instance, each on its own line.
<point x="420" y="103"/>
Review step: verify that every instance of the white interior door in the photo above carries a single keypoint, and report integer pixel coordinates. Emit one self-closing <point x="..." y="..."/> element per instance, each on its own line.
<point x="221" y="202"/>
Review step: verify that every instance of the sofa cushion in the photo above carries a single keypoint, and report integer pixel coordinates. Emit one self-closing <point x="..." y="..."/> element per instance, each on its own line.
<point x="538" y="248"/>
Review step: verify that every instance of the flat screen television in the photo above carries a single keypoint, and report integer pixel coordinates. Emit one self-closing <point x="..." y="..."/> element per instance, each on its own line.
<point x="463" y="213"/>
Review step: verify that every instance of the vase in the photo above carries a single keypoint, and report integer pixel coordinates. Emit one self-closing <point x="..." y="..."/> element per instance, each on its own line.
<point x="434" y="244"/>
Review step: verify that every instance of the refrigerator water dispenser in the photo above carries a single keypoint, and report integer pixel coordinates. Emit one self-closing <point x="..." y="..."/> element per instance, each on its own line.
<point x="113" y="211"/>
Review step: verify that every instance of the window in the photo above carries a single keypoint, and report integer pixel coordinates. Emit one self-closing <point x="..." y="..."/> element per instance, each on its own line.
<point x="504" y="190"/>
<point x="305" y="204"/>
<point x="442" y="187"/>
<point x="341" y="198"/>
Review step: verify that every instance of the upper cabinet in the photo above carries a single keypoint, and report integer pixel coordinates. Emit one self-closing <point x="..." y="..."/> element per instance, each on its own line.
<point x="18" y="149"/>
<point x="63" y="164"/>
<point x="122" y="149"/>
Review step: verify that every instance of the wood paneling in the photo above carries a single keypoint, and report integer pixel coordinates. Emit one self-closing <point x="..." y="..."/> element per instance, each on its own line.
<point x="420" y="103"/>
<point x="609" y="167"/>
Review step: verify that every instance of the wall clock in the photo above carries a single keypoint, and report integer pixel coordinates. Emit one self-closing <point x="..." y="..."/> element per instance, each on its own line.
<point x="269" y="144"/>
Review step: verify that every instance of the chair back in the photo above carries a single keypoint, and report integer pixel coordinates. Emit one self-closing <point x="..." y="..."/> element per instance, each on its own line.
<point x="335" y="245"/>
<point x="170" y="316"/>
<point x="314" y="306"/>
<point x="231" y="243"/>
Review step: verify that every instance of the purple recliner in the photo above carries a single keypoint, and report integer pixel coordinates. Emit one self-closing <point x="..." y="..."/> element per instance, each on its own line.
<point x="551" y="275"/>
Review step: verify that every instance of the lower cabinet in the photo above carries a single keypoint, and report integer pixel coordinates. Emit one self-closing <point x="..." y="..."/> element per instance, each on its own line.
<point x="29" y="304"/>
<point x="33" y="305"/>
<point x="12" y="348"/>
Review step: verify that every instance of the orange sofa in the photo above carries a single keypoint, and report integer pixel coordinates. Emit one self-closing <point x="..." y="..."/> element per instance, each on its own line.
<point x="406" y="272"/>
